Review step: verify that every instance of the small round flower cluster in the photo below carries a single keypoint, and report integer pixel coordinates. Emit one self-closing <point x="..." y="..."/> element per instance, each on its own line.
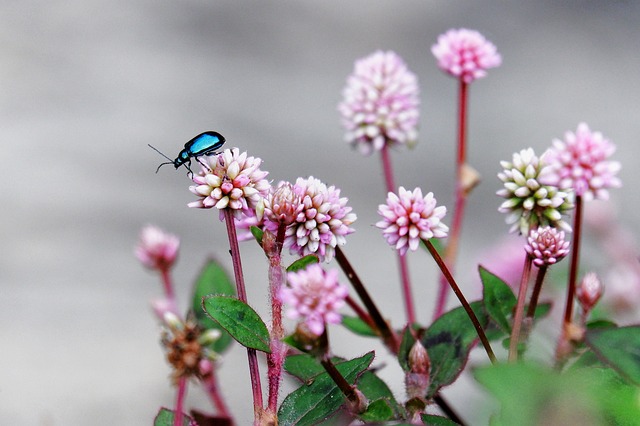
<point x="409" y="217"/>
<point x="322" y="219"/>
<point x="157" y="249"/>
<point x="531" y="203"/>
<point x="580" y="163"/>
<point x="546" y="246"/>
<point x="230" y="180"/>
<point x="315" y="296"/>
<point x="465" y="54"/>
<point x="380" y="104"/>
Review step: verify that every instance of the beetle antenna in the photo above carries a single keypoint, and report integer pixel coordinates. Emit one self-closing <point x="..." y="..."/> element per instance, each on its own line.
<point x="162" y="164"/>
<point x="158" y="151"/>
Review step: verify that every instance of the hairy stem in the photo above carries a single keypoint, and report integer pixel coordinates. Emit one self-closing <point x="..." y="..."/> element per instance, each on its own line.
<point x="517" y="320"/>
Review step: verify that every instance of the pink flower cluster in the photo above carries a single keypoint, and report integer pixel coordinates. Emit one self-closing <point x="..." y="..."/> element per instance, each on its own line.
<point x="409" y="217"/>
<point x="546" y="245"/>
<point x="157" y="249"/>
<point x="580" y="163"/>
<point x="314" y="296"/>
<point x="465" y="54"/>
<point x="230" y="180"/>
<point x="380" y="104"/>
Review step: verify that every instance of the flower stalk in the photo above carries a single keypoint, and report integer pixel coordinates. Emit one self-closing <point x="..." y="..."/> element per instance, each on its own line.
<point x="180" y="397"/>
<point x="518" y="317"/>
<point x="454" y="286"/>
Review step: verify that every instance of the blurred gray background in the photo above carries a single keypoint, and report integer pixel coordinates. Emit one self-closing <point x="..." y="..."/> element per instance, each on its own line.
<point x="86" y="85"/>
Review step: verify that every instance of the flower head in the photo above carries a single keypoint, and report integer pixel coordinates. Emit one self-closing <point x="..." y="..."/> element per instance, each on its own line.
<point x="409" y="217"/>
<point x="230" y="180"/>
<point x="157" y="249"/>
<point x="321" y="223"/>
<point x="546" y="245"/>
<point x="530" y="203"/>
<point x="580" y="163"/>
<point x="465" y="54"/>
<point x="314" y="296"/>
<point x="282" y="205"/>
<point x="380" y="104"/>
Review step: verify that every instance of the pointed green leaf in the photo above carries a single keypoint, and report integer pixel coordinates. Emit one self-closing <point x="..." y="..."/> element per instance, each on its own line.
<point x="374" y="388"/>
<point x="306" y="367"/>
<point x="302" y="263"/>
<point x="431" y="420"/>
<point x="240" y="320"/>
<point x="377" y="411"/>
<point x="165" y="417"/>
<point x="257" y="233"/>
<point x="319" y="399"/>
<point x="448" y="342"/>
<point x="357" y="326"/>
<point x="619" y="348"/>
<point x="498" y="299"/>
<point x="213" y="279"/>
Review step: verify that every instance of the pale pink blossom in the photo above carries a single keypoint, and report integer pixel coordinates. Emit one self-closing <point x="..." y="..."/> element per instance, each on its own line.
<point x="157" y="249"/>
<point x="380" y="103"/>
<point x="580" y="162"/>
<point x="323" y="221"/>
<point x="314" y="297"/>
<point x="283" y="205"/>
<point x="409" y="217"/>
<point x="546" y="245"/>
<point x="230" y="180"/>
<point x="465" y="54"/>
<point x="589" y="291"/>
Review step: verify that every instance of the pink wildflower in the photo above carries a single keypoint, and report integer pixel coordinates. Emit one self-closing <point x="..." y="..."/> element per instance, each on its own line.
<point x="409" y="217"/>
<point x="314" y="296"/>
<point x="580" y="163"/>
<point x="230" y="180"/>
<point x="380" y="104"/>
<point x="157" y="249"/>
<point x="546" y="245"/>
<point x="323" y="221"/>
<point x="283" y="205"/>
<point x="465" y="54"/>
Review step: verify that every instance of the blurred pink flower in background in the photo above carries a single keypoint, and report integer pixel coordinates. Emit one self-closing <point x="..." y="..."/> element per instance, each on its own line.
<point x="157" y="249"/>
<point x="314" y="296"/>
<point x="380" y="103"/>
<point x="465" y="54"/>
<point x="580" y="162"/>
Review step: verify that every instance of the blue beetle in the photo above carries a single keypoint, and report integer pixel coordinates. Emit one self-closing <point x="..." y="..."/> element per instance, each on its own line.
<point x="204" y="144"/>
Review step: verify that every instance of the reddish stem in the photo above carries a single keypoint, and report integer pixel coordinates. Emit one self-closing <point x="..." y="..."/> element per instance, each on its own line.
<point x="180" y="396"/>
<point x="462" y="299"/>
<point x="451" y="250"/>
<point x="211" y="386"/>
<point x="575" y="257"/>
<point x="361" y="313"/>
<point x="517" y="320"/>
<point x="242" y="296"/>
<point x="402" y="259"/>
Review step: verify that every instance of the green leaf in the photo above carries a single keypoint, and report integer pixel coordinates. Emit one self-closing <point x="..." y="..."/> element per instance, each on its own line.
<point x="377" y="411"/>
<point x="448" y="342"/>
<point x="498" y="299"/>
<point x="405" y="347"/>
<point x="316" y="401"/>
<point x="357" y="326"/>
<point x="305" y="367"/>
<point x="532" y="394"/>
<point x="303" y="262"/>
<point x="165" y="418"/>
<point x="619" y="348"/>
<point x="374" y="388"/>
<point x="212" y="280"/>
<point x="240" y="320"/>
<point x="257" y="233"/>
<point x="431" y="420"/>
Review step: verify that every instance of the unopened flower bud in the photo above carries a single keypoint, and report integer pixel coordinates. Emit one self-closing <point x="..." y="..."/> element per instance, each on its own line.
<point x="156" y="248"/>
<point x="419" y="361"/>
<point x="589" y="291"/>
<point x="469" y="177"/>
<point x="283" y="205"/>
<point x="172" y="321"/>
<point x="417" y="378"/>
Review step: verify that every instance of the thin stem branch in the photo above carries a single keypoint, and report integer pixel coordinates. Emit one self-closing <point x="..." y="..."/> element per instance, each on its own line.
<point x="242" y="296"/>
<point x="462" y="299"/>
<point x="180" y="396"/>
<point x="527" y="323"/>
<point x="361" y="313"/>
<point x="211" y="386"/>
<point x="575" y="258"/>
<point x="447" y="409"/>
<point x="517" y="320"/>
<point x="451" y="250"/>
<point x="402" y="259"/>
<point x="388" y="336"/>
